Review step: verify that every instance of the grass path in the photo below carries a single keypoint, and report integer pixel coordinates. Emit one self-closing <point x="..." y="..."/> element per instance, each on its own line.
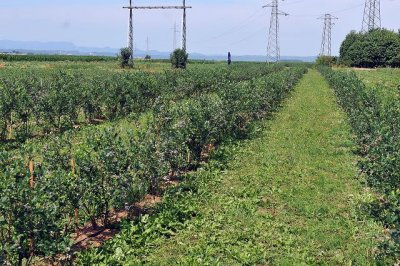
<point x="288" y="198"/>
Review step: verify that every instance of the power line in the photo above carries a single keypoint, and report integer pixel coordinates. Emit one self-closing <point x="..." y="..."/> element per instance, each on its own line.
<point x="238" y="26"/>
<point x="326" y="45"/>
<point x="292" y="3"/>
<point x="249" y="36"/>
<point x="333" y="12"/>
<point x="347" y="9"/>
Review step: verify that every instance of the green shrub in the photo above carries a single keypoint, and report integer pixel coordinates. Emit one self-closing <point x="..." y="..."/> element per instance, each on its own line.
<point x="376" y="48"/>
<point x="179" y="58"/>
<point x="327" y="60"/>
<point x="126" y="57"/>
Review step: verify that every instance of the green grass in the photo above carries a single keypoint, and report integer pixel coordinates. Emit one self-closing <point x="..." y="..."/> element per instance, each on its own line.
<point x="389" y="77"/>
<point x="289" y="197"/>
<point x="386" y="81"/>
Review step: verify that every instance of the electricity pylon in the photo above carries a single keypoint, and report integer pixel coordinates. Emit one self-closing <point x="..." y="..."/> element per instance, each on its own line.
<point x="274" y="51"/>
<point x="184" y="7"/>
<point x="175" y="31"/>
<point x="131" y="8"/>
<point x="372" y="15"/>
<point x="130" y="38"/>
<point x="326" y="45"/>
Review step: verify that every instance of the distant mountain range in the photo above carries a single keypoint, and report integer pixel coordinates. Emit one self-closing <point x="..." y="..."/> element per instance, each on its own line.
<point x="68" y="48"/>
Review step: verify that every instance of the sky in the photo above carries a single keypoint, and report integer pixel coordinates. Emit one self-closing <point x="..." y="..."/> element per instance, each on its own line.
<point x="214" y="26"/>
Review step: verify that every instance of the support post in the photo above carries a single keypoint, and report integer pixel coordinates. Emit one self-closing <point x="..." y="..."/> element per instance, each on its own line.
<point x="131" y="8"/>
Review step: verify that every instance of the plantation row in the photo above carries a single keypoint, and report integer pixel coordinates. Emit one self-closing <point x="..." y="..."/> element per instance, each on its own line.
<point x="41" y="102"/>
<point x="376" y="123"/>
<point x="45" y="197"/>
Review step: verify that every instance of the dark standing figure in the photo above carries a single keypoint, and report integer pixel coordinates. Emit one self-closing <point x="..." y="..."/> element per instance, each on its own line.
<point x="229" y="58"/>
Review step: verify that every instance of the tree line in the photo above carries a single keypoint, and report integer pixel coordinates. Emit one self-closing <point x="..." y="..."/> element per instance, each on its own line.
<point x="376" y="48"/>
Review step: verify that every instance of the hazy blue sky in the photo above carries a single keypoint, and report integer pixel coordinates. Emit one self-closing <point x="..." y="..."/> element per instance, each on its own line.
<point x="214" y="26"/>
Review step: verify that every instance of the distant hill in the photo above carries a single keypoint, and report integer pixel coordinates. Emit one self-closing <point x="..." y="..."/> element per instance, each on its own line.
<point x="54" y="48"/>
<point x="251" y="58"/>
<point x="67" y="48"/>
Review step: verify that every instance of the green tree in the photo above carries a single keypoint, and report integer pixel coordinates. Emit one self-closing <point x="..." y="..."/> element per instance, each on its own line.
<point x="326" y="60"/>
<point x="376" y="48"/>
<point x="179" y="58"/>
<point x="347" y="47"/>
<point x="125" y="57"/>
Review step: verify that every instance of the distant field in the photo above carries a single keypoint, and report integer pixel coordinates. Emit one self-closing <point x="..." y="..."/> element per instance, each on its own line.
<point x="53" y="58"/>
<point x="148" y="66"/>
<point x="386" y="81"/>
<point x="152" y="66"/>
<point x="68" y="62"/>
<point x="388" y="77"/>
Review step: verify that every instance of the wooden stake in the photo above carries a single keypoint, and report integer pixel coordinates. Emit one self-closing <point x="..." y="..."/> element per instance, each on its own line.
<point x="31" y="251"/>
<point x="10" y="132"/>
<point x="73" y="166"/>
<point x="76" y="217"/>
<point x="31" y="185"/>
<point x="188" y="157"/>
<point x="32" y="177"/>
<point x="76" y="211"/>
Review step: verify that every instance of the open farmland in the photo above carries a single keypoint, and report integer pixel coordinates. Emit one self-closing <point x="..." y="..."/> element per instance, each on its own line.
<point x="274" y="203"/>
<point x="149" y="165"/>
<point x="188" y="132"/>
<point x="91" y="172"/>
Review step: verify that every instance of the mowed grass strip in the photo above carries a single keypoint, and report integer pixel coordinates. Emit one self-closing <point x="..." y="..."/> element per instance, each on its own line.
<point x="289" y="197"/>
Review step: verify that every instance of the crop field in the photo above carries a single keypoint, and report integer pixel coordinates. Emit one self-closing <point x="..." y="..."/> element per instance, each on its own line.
<point x="60" y="170"/>
<point x="248" y="164"/>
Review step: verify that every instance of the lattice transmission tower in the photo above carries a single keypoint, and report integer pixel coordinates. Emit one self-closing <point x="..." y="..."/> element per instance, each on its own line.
<point x="175" y="33"/>
<point x="184" y="7"/>
<point x="372" y="15"/>
<point x="130" y="38"/>
<point x="274" y="51"/>
<point x="326" y="45"/>
<point x="131" y="8"/>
